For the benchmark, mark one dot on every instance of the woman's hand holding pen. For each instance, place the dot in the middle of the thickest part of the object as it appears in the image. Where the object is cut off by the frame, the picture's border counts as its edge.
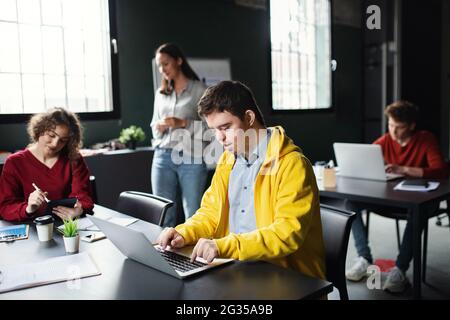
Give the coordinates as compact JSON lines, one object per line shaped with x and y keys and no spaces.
{"x":35,"y":200}
{"x":68,"y":213}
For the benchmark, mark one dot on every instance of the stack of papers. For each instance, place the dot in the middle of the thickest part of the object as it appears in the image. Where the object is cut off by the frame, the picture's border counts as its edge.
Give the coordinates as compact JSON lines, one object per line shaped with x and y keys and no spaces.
{"x":65,"y":268}
{"x":431,"y":186}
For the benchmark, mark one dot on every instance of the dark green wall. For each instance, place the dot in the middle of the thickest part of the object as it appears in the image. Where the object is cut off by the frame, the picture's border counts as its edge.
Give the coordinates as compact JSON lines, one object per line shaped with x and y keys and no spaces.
{"x":218,"y":29}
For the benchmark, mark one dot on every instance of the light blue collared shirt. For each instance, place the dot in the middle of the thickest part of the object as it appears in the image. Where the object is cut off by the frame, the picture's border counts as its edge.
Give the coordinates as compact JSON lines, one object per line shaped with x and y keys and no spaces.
{"x":183,"y":106}
{"x":241,"y":188}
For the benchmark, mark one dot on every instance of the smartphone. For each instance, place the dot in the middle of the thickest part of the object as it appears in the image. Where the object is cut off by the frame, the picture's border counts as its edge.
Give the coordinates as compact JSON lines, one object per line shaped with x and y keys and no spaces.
{"x":93,"y":237}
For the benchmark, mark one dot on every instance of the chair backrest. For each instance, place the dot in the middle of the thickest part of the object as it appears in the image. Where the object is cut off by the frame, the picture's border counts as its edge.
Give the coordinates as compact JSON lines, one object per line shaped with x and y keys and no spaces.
{"x":144,"y":206}
{"x":93,"y":184}
{"x":336,"y":226}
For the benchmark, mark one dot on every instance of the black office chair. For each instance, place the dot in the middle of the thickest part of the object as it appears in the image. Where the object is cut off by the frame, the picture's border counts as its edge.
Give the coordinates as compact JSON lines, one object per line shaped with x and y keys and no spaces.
{"x":442,"y":213}
{"x":336,"y":226}
{"x":144,"y":206}
{"x":93,"y":184}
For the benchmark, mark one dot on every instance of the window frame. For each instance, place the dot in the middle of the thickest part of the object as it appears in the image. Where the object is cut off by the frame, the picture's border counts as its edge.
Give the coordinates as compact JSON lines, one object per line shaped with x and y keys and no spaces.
{"x":14,"y":118}
{"x":331,"y":108}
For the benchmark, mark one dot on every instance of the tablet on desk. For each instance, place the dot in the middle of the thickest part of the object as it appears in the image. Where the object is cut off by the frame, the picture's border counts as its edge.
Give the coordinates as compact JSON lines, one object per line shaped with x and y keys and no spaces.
{"x":66,"y":202}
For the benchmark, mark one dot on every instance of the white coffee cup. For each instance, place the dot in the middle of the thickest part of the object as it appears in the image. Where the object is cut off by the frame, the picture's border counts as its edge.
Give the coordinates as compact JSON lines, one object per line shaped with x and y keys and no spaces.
{"x":44,"y":227}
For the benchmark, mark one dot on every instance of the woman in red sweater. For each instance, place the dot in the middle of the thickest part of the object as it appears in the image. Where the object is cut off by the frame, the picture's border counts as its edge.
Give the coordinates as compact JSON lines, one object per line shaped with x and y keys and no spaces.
{"x":409,"y":152}
{"x":51,"y":162}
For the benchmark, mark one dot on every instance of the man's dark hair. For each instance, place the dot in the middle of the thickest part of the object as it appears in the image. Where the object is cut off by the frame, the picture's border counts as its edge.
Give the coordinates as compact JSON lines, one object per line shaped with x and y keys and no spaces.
{"x":403,"y":111}
{"x":232,"y":96}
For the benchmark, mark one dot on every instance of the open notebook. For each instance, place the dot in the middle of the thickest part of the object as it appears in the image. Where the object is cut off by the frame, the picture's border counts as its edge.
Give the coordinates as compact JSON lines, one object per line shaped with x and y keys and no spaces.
{"x":64,"y":268}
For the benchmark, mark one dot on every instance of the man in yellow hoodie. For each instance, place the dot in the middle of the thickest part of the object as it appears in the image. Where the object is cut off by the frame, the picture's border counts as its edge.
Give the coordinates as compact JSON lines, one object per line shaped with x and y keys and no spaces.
{"x":263,"y":202}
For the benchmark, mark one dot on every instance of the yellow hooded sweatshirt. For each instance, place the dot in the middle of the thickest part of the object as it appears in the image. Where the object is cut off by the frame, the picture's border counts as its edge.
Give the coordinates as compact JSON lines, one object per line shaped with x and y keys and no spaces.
{"x":286,"y":201}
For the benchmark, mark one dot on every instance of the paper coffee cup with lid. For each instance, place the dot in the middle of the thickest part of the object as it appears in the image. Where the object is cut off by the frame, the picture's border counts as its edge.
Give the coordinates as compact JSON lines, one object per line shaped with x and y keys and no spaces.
{"x":44,"y":227}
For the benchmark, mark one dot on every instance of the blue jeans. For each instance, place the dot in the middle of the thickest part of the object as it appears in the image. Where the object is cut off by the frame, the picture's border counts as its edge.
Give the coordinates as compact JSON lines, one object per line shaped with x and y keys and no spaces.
{"x":361,"y":241}
{"x":167,"y":176}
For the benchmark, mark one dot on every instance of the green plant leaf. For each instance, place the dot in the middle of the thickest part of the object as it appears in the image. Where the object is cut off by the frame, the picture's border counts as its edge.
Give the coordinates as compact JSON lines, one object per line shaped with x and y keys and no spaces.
{"x":70,"y":228}
{"x":132,"y":133}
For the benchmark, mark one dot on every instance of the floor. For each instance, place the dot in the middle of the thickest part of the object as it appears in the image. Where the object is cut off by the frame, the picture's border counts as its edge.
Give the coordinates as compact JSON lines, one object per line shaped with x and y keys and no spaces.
{"x":382,"y":237}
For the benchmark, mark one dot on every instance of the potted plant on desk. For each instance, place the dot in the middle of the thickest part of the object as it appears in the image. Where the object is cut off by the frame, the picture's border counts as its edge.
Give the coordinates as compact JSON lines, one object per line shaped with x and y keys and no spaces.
{"x":131,"y":135}
{"x":71,"y":236}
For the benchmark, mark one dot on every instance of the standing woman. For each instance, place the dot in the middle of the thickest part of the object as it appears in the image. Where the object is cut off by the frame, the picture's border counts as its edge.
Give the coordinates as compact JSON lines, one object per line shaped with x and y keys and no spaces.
{"x":51,"y":162}
{"x":175,"y":108}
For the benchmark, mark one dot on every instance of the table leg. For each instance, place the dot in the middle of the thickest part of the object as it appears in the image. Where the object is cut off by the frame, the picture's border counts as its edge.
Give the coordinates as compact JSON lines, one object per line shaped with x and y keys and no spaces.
{"x":417,"y":251}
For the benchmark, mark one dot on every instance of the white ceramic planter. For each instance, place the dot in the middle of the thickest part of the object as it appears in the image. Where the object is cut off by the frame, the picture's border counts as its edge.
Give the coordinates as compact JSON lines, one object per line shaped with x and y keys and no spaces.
{"x":72,"y":244}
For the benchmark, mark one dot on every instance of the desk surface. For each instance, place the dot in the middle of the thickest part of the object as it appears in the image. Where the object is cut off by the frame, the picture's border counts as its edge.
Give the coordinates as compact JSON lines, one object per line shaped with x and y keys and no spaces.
{"x":123,"y":278}
{"x":380,"y":192}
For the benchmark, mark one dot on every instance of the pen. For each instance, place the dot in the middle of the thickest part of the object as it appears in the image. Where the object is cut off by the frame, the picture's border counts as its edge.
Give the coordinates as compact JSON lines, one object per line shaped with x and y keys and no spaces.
{"x":36,"y":187}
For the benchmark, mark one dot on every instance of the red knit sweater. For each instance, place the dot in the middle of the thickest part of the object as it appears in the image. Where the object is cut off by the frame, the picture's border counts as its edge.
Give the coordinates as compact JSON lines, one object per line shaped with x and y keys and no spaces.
{"x":63,"y":180}
{"x":421,"y":151}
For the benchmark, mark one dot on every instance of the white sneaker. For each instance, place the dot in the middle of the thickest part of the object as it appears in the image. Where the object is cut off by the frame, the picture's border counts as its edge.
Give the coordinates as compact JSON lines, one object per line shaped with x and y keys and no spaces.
{"x":359,"y":269}
{"x":396,"y":281}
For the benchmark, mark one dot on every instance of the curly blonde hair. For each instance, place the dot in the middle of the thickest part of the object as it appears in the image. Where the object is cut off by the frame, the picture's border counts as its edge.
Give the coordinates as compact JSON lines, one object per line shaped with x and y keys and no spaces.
{"x":42,"y":122}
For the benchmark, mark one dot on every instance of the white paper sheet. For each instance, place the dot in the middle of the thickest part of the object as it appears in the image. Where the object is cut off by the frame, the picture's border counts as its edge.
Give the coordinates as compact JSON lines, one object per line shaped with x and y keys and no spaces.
{"x":84,"y":224}
{"x":431,"y":186}
{"x":64,"y":268}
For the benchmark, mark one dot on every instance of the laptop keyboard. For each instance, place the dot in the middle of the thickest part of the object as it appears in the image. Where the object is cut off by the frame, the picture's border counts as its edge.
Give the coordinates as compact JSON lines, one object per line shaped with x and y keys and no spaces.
{"x":179,"y":262}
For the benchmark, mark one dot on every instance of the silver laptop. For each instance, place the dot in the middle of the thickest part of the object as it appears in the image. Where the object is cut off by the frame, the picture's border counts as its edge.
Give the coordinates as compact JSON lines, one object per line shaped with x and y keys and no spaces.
{"x":135,"y":245}
{"x":363,"y":161}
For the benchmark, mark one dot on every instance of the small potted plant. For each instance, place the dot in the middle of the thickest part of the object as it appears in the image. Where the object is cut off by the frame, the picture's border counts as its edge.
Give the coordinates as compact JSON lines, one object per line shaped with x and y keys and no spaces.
{"x":71,"y":236}
{"x":131,"y":135}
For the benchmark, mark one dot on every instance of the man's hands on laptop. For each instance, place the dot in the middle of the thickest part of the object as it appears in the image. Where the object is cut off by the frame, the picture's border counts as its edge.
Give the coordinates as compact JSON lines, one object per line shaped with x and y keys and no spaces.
{"x":205,"y":248}
{"x":170,"y":237}
{"x":393,"y":168}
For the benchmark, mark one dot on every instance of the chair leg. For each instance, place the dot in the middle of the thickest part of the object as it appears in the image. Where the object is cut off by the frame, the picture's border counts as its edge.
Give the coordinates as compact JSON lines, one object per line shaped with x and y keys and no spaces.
{"x":343,"y":294}
{"x":398,"y":234}
{"x":424,"y":253}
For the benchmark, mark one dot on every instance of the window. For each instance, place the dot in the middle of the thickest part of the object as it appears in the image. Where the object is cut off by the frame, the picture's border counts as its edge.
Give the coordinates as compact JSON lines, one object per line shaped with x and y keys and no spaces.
{"x":301,"y":54}
{"x":55,"y":53}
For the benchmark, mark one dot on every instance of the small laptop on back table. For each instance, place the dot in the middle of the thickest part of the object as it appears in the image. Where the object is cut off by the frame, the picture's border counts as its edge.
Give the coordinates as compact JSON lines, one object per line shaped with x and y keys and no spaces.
{"x":362,"y":161}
